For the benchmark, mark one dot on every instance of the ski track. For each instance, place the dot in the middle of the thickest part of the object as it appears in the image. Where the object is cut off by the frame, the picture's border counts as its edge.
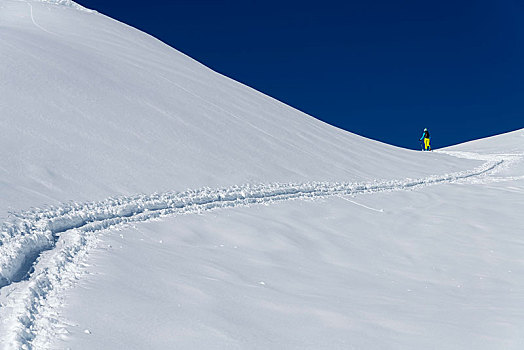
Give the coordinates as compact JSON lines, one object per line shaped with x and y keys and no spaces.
{"x":34,"y":22}
{"x":41,"y":251}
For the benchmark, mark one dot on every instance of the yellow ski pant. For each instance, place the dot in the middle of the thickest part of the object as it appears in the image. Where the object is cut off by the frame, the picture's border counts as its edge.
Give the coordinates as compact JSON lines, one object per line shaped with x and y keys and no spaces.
{"x":426,"y":143}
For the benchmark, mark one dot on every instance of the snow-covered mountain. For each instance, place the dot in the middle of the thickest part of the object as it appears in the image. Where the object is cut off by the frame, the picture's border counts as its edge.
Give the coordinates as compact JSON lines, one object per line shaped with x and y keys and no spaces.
{"x":93,"y":108}
{"x":308,"y":236}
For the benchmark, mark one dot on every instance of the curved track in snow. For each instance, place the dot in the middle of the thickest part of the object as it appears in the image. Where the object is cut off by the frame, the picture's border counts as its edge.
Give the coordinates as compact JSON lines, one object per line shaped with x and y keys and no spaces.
{"x":40,"y":250}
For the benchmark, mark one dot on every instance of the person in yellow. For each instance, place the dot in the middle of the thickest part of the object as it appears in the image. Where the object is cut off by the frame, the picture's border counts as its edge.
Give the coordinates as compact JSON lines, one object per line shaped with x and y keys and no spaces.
{"x":425,"y":137}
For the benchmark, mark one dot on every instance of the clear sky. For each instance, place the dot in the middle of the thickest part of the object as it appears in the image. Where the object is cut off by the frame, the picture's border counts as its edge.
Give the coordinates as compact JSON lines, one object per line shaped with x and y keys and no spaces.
{"x":384,"y":69}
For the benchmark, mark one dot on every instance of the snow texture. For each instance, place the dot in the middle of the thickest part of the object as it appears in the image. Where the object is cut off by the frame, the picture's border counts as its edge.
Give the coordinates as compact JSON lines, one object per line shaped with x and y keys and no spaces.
{"x":106,"y":130}
{"x":68,"y":3}
{"x":28,"y":235}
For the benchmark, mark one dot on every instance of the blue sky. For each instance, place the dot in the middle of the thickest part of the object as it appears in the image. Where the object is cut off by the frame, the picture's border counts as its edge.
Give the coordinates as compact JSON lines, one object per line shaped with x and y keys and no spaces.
{"x":381,"y":69}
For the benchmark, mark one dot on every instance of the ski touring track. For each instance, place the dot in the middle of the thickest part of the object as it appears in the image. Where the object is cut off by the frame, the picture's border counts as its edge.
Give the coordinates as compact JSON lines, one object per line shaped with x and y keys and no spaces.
{"x":42,"y":250}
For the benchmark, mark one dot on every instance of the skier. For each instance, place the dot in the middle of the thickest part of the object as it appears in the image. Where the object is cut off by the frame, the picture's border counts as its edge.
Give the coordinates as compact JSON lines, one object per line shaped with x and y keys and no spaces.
{"x":425,"y":137}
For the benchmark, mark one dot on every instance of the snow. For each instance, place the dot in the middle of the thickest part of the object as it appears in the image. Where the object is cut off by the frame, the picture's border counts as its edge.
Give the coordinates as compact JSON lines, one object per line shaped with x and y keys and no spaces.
{"x":97,"y":109}
{"x":73,"y":227}
{"x":66,"y":3}
{"x":149,"y":202}
{"x":435,"y":267}
{"x":426,"y":272}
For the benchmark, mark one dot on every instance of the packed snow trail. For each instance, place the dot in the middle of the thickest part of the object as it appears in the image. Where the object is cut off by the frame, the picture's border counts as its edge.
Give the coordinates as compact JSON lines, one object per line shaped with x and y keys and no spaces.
{"x":53,"y":241}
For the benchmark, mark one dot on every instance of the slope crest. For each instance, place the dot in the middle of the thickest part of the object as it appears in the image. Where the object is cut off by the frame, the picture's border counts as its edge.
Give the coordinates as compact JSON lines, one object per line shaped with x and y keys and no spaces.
{"x":68,"y":3}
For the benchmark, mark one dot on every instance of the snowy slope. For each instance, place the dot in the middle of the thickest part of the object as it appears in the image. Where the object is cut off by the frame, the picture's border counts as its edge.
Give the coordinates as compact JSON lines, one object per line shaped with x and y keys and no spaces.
{"x":92,"y":108}
{"x":438,"y":265}
{"x":435,"y":267}
{"x":158,"y":204}
{"x":511,"y":142}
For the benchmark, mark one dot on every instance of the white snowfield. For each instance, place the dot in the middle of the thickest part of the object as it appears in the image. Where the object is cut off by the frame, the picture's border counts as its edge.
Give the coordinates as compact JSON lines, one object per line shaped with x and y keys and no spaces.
{"x":27,"y":236}
{"x":62,"y":237}
{"x":151,"y":203}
